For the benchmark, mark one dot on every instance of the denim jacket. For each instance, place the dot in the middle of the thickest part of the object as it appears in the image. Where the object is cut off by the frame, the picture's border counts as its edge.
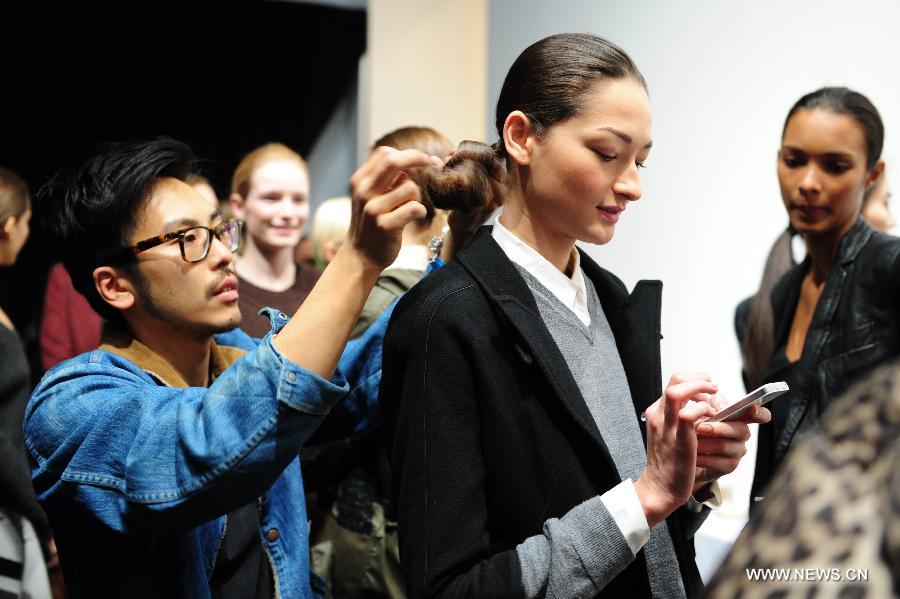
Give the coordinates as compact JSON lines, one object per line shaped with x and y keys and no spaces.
{"x":137,"y":474}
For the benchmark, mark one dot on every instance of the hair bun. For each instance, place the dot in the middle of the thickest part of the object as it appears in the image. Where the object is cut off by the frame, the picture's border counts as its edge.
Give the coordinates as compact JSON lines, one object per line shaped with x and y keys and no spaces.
{"x":469,"y":181}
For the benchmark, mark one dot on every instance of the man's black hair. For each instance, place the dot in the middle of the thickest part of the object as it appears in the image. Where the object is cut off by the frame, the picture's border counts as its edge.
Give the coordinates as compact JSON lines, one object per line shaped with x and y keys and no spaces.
{"x":90,"y":213}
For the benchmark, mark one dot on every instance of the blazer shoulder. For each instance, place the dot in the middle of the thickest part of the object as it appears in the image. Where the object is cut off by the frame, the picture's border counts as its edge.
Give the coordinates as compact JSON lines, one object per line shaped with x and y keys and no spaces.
{"x":434,"y":288}
{"x":449,"y":294}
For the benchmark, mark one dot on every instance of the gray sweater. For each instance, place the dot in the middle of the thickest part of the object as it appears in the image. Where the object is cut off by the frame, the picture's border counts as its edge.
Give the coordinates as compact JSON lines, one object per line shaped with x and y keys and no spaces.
{"x":578,"y":554}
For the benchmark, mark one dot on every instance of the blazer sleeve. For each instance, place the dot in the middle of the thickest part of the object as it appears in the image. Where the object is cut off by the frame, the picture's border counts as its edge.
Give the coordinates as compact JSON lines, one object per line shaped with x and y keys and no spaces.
{"x":432,"y":432}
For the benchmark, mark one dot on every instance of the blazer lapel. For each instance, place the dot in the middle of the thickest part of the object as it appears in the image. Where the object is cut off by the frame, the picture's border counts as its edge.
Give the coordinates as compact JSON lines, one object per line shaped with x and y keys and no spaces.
{"x":506,"y":290}
{"x":635,"y":322}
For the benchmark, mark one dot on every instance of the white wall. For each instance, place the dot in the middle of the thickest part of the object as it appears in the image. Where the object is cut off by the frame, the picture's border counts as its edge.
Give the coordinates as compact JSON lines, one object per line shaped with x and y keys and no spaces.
{"x":426,"y":66}
{"x":722,"y":76}
{"x":334,"y":157}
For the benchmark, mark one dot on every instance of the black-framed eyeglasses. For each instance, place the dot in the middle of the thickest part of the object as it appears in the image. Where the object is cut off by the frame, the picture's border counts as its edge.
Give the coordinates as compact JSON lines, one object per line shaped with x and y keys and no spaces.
{"x":196,"y":241}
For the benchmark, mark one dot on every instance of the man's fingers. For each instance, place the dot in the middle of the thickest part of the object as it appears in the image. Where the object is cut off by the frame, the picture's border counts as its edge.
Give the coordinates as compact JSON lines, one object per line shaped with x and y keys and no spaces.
{"x":383,"y":171}
{"x":401,"y":216}
{"x":390,"y":201}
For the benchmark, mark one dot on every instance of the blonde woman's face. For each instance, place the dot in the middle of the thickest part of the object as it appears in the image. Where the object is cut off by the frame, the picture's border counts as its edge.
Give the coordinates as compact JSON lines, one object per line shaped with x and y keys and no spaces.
{"x":277,"y":205}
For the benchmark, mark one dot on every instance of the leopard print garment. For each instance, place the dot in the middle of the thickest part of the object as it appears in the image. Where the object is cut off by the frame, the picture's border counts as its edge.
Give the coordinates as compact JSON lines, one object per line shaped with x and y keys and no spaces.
{"x":831,"y":516}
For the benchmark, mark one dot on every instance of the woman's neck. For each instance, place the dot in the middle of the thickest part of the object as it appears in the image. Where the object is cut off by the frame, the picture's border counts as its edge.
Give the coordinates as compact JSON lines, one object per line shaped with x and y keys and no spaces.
{"x":823,"y":251}
{"x":272,"y":270}
{"x":555,"y":248}
{"x":416,"y":233}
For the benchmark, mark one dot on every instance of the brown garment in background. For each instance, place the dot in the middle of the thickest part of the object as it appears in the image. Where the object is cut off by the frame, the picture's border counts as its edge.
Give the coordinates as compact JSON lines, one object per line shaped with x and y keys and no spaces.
{"x":251,"y":299}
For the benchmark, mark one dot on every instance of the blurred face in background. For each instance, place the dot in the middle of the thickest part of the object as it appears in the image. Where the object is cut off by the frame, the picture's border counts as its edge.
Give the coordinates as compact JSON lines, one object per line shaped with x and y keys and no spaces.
{"x":207,"y":192}
{"x":876,"y":206}
{"x":13,"y":236}
{"x":277,"y":205}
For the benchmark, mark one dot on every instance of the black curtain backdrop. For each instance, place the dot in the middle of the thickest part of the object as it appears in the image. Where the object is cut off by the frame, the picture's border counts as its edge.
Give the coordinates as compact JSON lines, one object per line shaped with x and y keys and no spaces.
{"x":224,"y":77}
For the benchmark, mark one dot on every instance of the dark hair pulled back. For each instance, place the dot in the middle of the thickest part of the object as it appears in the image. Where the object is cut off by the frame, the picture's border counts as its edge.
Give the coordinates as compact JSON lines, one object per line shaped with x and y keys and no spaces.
{"x":471,"y":178}
{"x":842,"y":100}
{"x":547,"y":83}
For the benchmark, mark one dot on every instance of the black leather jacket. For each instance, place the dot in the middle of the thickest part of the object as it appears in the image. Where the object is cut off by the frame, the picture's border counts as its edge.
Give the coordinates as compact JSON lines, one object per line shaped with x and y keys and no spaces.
{"x":855,"y":327}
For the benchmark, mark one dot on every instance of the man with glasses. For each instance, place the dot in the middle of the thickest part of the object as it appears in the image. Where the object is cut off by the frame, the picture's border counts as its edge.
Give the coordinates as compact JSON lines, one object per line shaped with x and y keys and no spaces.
{"x":167,"y":459}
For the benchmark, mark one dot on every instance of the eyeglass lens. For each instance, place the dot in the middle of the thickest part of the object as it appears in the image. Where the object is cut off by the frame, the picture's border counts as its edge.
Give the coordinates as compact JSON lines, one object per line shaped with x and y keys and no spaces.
{"x":196,"y":241}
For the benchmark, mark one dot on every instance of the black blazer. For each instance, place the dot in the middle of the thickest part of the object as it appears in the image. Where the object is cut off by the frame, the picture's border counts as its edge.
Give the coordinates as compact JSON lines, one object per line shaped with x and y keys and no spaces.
{"x":486,"y":430}
{"x":855,"y":327}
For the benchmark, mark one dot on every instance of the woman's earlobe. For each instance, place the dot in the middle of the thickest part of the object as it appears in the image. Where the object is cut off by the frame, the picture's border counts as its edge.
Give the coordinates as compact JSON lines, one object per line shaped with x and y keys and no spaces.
{"x":517,"y":134}
{"x":237,"y":205}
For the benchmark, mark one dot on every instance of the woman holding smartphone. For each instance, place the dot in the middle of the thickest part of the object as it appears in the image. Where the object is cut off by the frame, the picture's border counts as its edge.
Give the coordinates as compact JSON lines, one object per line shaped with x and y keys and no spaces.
{"x":836,"y":313}
{"x":514,"y":376}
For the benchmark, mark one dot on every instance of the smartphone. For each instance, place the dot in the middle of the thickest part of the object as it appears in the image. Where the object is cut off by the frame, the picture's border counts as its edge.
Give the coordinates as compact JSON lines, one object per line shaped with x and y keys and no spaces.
{"x":758,"y":397}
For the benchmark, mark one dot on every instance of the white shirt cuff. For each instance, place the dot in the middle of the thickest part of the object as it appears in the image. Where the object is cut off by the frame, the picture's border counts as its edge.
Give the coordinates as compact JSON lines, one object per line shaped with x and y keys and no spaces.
{"x":712,"y":503}
{"x":624,"y":505}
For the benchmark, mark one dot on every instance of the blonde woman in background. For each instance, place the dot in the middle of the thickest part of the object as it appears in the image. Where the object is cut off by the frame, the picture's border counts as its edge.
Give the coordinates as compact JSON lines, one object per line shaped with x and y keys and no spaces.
{"x":270,"y":192}
{"x":329,"y":229}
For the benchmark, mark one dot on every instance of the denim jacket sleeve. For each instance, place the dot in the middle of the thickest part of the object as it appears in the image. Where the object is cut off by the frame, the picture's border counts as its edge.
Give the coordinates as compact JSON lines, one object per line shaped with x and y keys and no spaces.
{"x":361,"y":364}
{"x":105,"y":438}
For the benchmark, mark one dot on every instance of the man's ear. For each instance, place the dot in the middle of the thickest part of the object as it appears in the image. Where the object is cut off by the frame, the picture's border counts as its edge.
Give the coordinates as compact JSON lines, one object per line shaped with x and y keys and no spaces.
{"x":518,"y":137}
{"x":237,"y":205}
{"x":114,"y":287}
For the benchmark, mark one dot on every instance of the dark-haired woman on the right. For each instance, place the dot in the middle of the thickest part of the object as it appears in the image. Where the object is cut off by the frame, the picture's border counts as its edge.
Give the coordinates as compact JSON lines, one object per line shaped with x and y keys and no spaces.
{"x":837,"y":314}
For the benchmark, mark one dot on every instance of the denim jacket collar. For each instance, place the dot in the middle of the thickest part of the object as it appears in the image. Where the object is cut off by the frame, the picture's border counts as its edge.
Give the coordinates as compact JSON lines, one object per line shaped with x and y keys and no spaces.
{"x":119,"y":342}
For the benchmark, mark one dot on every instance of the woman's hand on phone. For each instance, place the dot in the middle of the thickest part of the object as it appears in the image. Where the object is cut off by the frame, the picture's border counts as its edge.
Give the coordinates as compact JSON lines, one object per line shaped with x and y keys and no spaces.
{"x":668,"y":480}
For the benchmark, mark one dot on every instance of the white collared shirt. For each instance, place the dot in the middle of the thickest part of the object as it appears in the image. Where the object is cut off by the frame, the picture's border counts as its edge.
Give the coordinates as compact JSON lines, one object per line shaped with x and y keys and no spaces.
{"x":412,"y":257}
{"x":571,"y":291}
